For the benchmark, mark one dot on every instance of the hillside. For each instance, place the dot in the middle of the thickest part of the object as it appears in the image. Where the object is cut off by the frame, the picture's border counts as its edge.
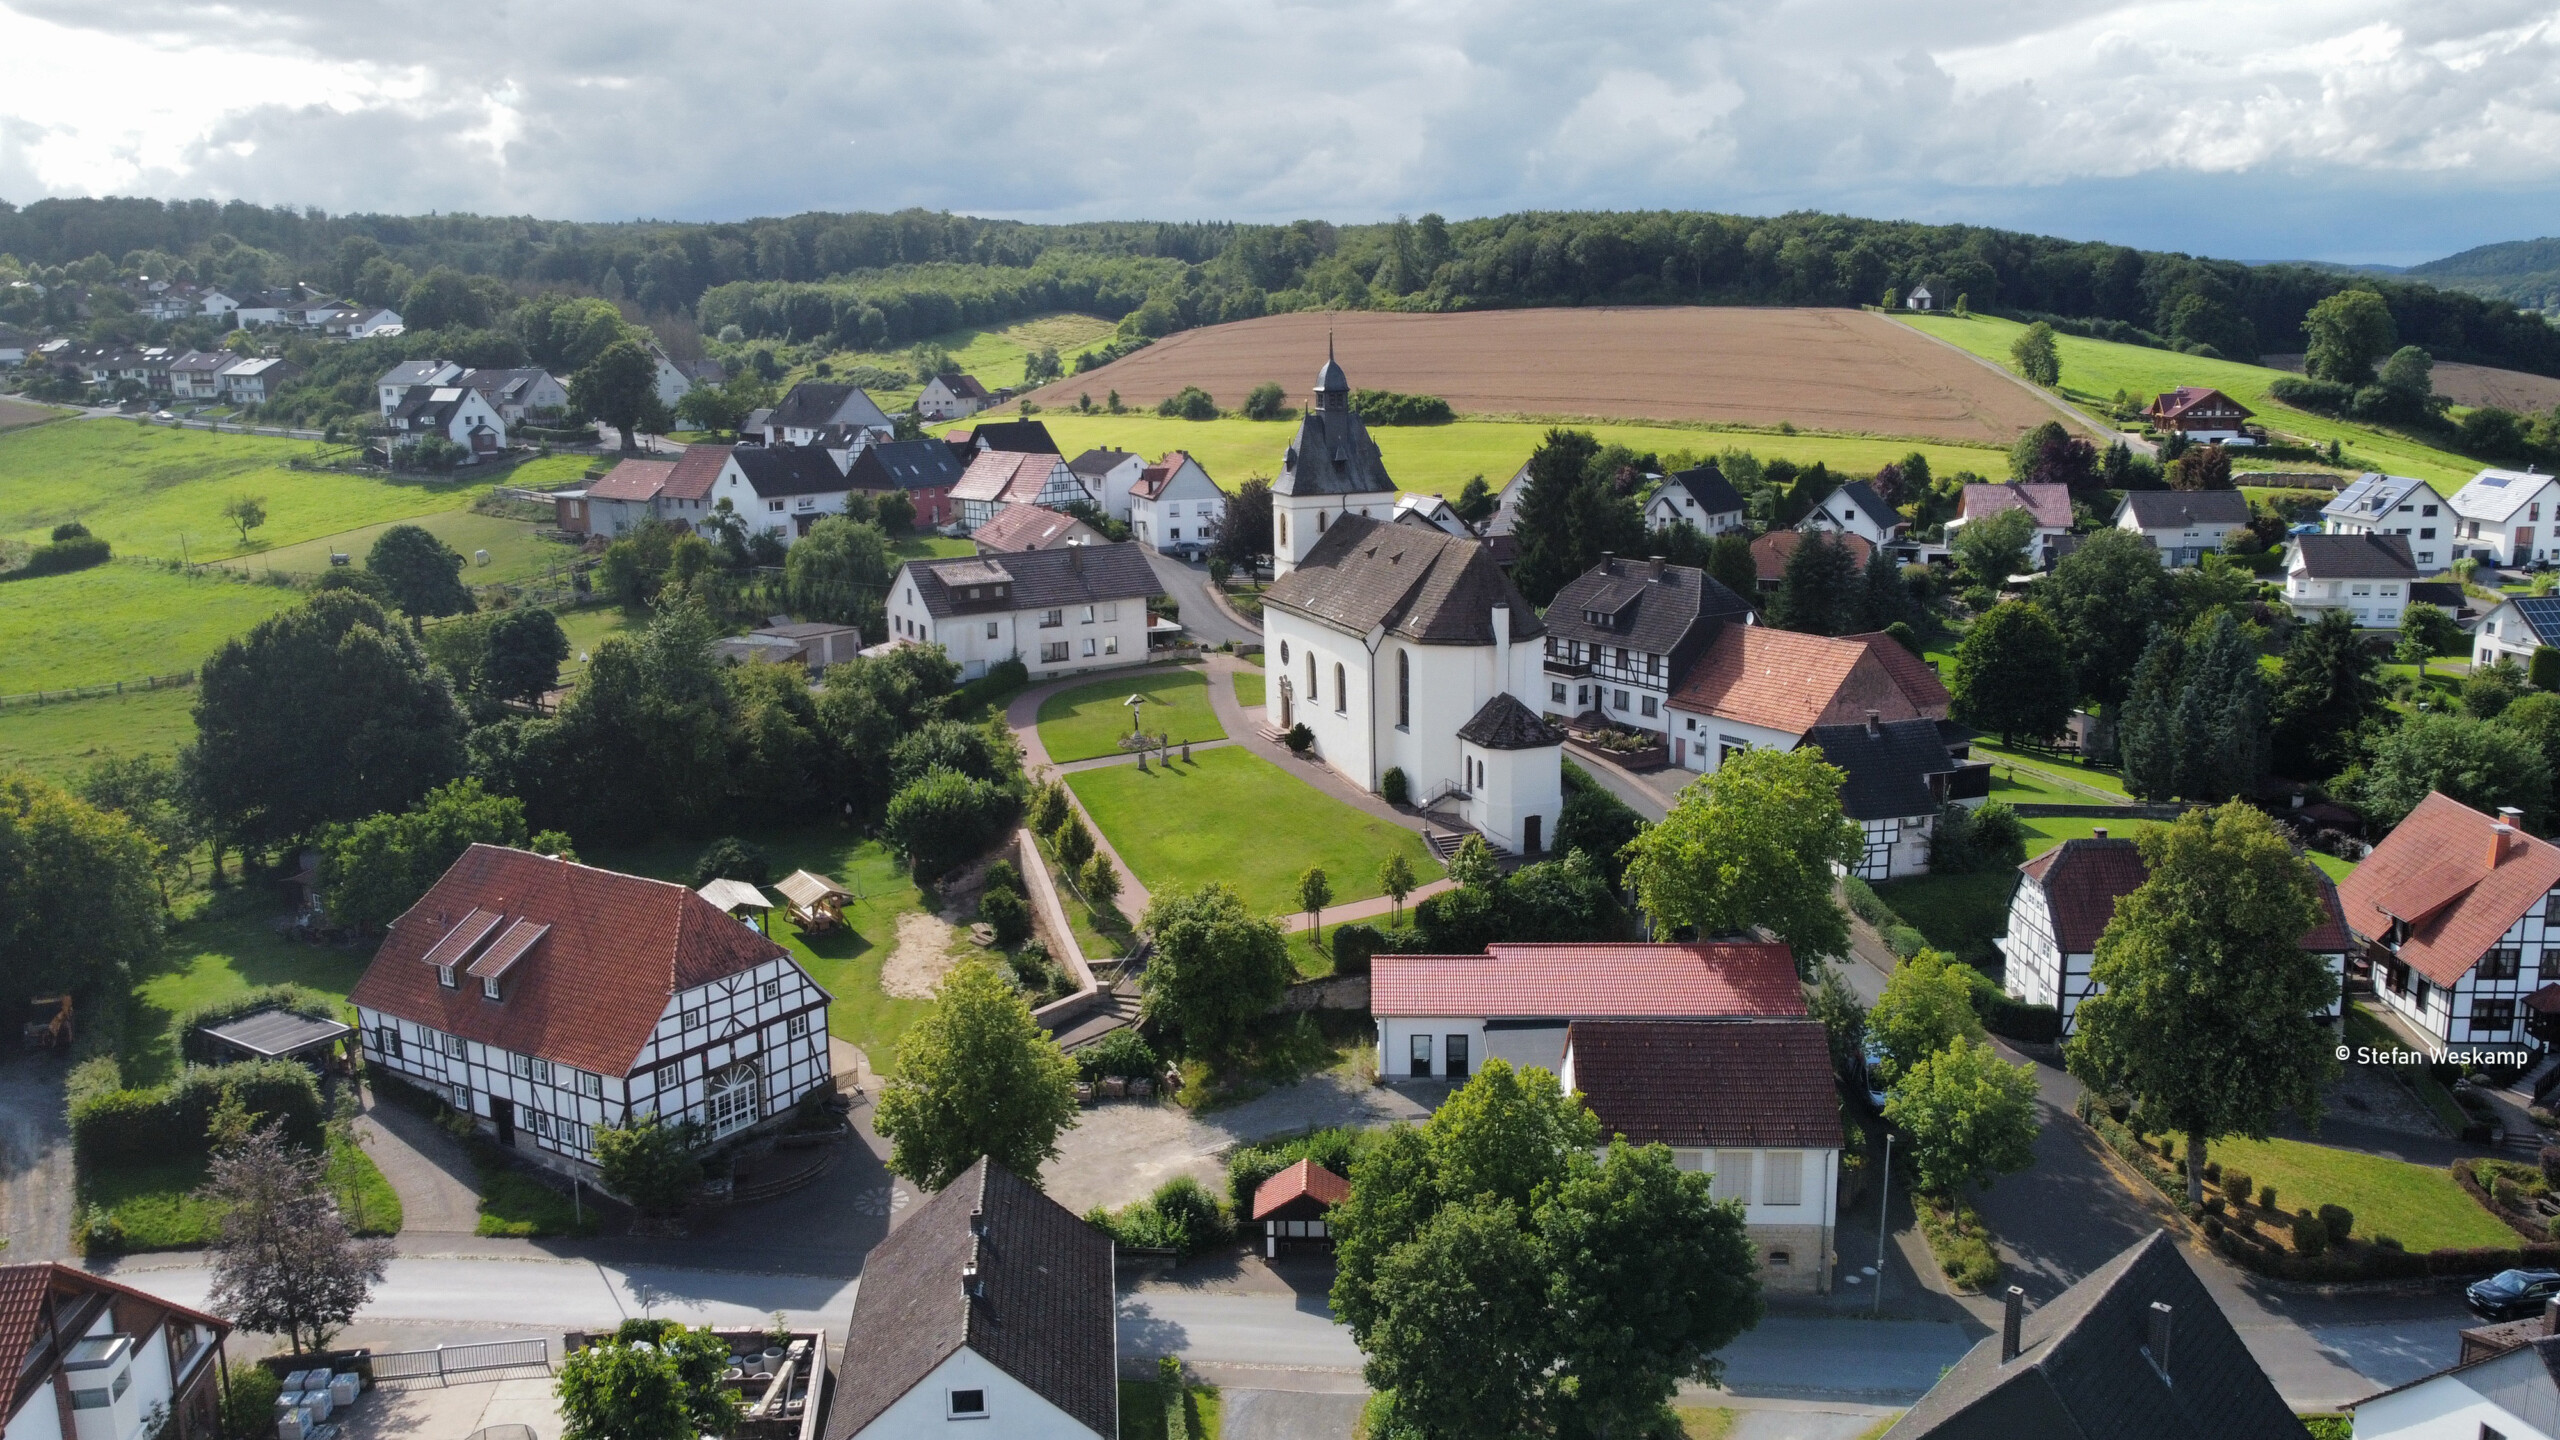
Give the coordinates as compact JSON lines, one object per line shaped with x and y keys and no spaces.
{"x":2524,"y":273}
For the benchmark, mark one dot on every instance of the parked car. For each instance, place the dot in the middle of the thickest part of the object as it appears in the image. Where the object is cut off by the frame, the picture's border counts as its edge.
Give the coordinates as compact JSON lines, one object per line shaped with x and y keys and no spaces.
{"x":2512,"y":1294}
{"x":1190,"y":552}
{"x":1872,"y":1070}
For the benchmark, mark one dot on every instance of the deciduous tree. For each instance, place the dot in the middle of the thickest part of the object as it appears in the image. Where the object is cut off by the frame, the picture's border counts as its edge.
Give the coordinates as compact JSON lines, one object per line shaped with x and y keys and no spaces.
{"x":2036,"y":355}
{"x":284,"y":1261}
{"x":620,"y":388}
{"x":2481,"y":763}
{"x":840,"y":572}
{"x":424,"y":573}
{"x":976,"y":1076}
{"x":2013,"y":674}
{"x":1968,"y":1114}
{"x":1216,"y":966}
{"x":78,"y":907}
{"x":2105,"y":597}
{"x":1395,"y":876}
{"x":2347,"y":333}
{"x":653,"y":1380}
{"x":1751,"y":843}
{"x":1315,"y":891}
{"x":373,"y":869}
{"x":1926,"y":1006}
{"x":247,"y":512}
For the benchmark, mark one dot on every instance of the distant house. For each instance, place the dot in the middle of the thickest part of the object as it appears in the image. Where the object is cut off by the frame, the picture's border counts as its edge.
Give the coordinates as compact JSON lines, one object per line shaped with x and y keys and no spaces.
{"x":2184,"y":526}
{"x":2516,"y":628}
{"x":2508,"y":1388}
{"x":2367,"y":576}
{"x":1109,"y":474}
{"x":992,"y":1303}
{"x":1175,"y":506}
{"x":2204,"y":416}
{"x":1855,"y":509}
{"x":1755,"y":688}
{"x":2508,"y":517}
{"x":1293,"y":1204}
{"x":1752,"y":1103}
{"x":814,"y":406}
{"x":197,"y":375}
{"x":1027,"y":437}
{"x":1499,"y":541}
{"x":14,"y":345}
{"x":637,"y":491}
{"x":1770,"y":553}
{"x":366,"y":321}
{"x":1060,"y":612}
{"x":998,"y":478}
{"x":1901,"y":775}
{"x":1919,"y":299}
{"x":2137,"y":1349}
{"x":544,"y":998}
{"x":1701,"y":499}
{"x":2454,"y":908}
{"x":674,"y":381}
{"x":514,"y":394}
{"x":257,"y":381}
{"x":780,"y":490}
{"x":1621,"y":633}
{"x":92,"y":1358}
{"x":396,"y":382}
{"x":1029,"y":527}
{"x":2064,"y":899}
{"x":951,"y":397}
{"x":1432,"y":510}
{"x":925,"y":469}
{"x":456,"y":412}
{"x":2399,"y":505}
{"x":2049,"y":505}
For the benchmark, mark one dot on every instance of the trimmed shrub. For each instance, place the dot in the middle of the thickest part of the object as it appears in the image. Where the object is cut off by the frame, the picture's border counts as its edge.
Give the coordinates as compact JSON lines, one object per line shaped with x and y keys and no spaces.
{"x":1866,"y":904}
{"x":135,"y":1127}
{"x":2213,"y":1226}
{"x":1181,"y":1216}
{"x":2340,"y":1222}
{"x":2236,"y":1184}
{"x":2213,"y":1205}
{"x":2310,"y":1237}
{"x":1394,"y":788}
{"x":1123,"y":1052}
{"x":2213,"y":1172}
{"x":730,"y":858}
{"x":1904,"y":941}
{"x":1387,"y":407}
{"x":2550,"y":1159}
{"x":1010,"y":916}
{"x":1353,"y":944}
{"x":1300,"y":739}
{"x":64,"y":556}
{"x":2266,"y":1197}
{"x":1005,"y":875}
{"x":2544,"y":669}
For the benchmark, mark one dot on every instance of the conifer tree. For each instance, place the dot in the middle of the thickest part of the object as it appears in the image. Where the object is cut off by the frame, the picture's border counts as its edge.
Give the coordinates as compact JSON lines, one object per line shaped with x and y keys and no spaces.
{"x":2220,"y":723}
{"x":2146,"y":737}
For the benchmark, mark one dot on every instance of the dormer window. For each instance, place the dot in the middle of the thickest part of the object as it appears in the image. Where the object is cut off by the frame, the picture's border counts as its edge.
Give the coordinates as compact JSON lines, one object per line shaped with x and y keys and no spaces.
{"x":444,"y":976}
{"x":488,"y":987}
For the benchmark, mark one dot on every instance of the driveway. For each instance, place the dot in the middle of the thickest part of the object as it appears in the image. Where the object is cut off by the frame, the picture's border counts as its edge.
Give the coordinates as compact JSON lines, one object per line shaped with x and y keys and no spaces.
{"x":1201,"y":615}
{"x":1121,"y":1151}
{"x":35,"y":1159}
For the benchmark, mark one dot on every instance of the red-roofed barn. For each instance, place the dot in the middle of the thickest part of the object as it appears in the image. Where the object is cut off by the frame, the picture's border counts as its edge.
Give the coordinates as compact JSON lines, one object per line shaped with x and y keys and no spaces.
{"x":1293,"y":1204}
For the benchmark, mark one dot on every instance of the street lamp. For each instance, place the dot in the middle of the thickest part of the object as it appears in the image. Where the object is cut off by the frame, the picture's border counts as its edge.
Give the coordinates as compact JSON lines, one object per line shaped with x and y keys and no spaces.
{"x":1884,"y":1192}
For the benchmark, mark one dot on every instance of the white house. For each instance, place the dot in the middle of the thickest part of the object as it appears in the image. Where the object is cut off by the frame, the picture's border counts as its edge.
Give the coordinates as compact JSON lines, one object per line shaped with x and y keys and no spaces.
{"x":2456,"y":904}
{"x":1900,"y":776}
{"x":545,"y":998}
{"x":518,"y":393}
{"x":92,"y":1359}
{"x":780,"y":490}
{"x":456,"y":412}
{"x":1919,"y":299}
{"x":2184,"y":526}
{"x":256,"y":381}
{"x":1060,"y":612}
{"x":2063,"y":901}
{"x":2377,"y":504}
{"x":1855,"y":509}
{"x":1750,"y":1102}
{"x":997,"y":478}
{"x":197,"y":375}
{"x":988,"y":1311}
{"x":639,"y":490}
{"x":1620,"y":633}
{"x":408,"y":375}
{"x":816,"y":406}
{"x":2049,"y":505}
{"x":2515,"y":629}
{"x":1432,"y":510}
{"x":2508,"y":1394}
{"x":673,"y":382}
{"x":2368,"y":576}
{"x":1701,"y":499}
{"x":1109,"y":474}
{"x":1175,"y":506}
{"x":952,"y":397}
{"x":1331,"y":470}
{"x":2507,"y":517}
{"x":1756,"y":688}
{"x":366,"y":321}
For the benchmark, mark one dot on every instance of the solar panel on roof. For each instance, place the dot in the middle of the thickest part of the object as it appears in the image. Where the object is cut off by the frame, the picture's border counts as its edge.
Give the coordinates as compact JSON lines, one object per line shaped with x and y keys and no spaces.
{"x":2542,"y":612}
{"x":463,"y":938}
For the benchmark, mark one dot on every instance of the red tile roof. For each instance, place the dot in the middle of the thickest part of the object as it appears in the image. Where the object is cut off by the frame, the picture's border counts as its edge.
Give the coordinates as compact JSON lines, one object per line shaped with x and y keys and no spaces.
{"x":1027,"y":527}
{"x":1915,"y":677}
{"x":1013,"y":476}
{"x":1769,"y":553}
{"x":2434,"y":871}
{"x":24,"y":1291}
{"x":1304,"y":1180}
{"x":1691,"y":1082}
{"x":1597,"y":981}
{"x":590,"y":991}
{"x":2170,"y":404}
{"x":1780,"y":680}
{"x":2050,"y":504}
{"x":1152,"y":480}
{"x":696,"y":471}
{"x":2083,"y":879}
{"x":632,"y":480}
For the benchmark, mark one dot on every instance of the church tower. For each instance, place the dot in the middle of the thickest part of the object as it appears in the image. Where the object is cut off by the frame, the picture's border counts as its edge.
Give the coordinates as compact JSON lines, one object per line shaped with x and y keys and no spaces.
{"x":1332,"y":469}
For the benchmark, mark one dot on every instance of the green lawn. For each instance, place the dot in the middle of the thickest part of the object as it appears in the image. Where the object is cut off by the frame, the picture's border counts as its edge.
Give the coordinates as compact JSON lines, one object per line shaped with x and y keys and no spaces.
{"x":211,"y":959}
{"x":1957,"y":913}
{"x":2093,"y":370}
{"x":1230,"y":815}
{"x":1089,"y":720}
{"x":159,"y":492}
{"x":2070,"y":767}
{"x":513,"y":1203}
{"x":159,"y":1209}
{"x":516,"y":555}
{"x":121,"y":622}
{"x":1249,"y":692}
{"x":1439,"y":459}
{"x":61,"y":740}
{"x":2421,"y":1206}
{"x":932,"y":547}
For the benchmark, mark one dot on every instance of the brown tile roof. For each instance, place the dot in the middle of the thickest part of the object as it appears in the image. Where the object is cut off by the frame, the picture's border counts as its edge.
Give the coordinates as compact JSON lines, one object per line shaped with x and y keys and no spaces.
{"x":1780,"y":680}
{"x":1009,"y":475}
{"x":2050,"y":504}
{"x":591,"y":990}
{"x":1305,"y":1180}
{"x":25,"y":1292}
{"x":696,"y":470}
{"x":1152,"y":480}
{"x":2083,"y":879}
{"x":1914,"y":676}
{"x":2170,"y":404}
{"x":1029,"y":527}
{"x":632,"y":480}
{"x":1707,"y":1082}
{"x":1769,"y":553}
{"x":1510,"y":980}
{"x":1418,"y":581}
{"x":2434,"y":872}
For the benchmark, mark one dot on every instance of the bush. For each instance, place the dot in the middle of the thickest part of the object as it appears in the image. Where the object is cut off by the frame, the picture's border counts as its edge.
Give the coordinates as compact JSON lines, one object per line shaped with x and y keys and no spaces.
{"x":1124,"y":1053}
{"x":1189,"y":403}
{"x":1991,"y":837}
{"x":1300,"y":739}
{"x":1005,"y":875}
{"x":1181,"y":1216}
{"x":1960,"y":1245}
{"x":1247,"y":1168}
{"x":944,"y":819}
{"x":1387,"y":407}
{"x":1394,"y":788}
{"x":2310,"y":1237}
{"x":249,"y":1403}
{"x":1353,"y":944}
{"x":1866,"y":904}
{"x":2213,"y":1172}
{"x":1266,"y":402}
{"x":1905,"y":941}
{"x":2236,"y":1184}
{"x":64,"y":556}
{"x":69,"y":530}
{"x":2340,"y":1221}
{"x":1008,"y":913}
{"x":2327,"y":397}
{"x":2214,"y":1205}
{"x":2212,"y":1222}
{"x":730,"y":858}
{"x":167,"y":1122}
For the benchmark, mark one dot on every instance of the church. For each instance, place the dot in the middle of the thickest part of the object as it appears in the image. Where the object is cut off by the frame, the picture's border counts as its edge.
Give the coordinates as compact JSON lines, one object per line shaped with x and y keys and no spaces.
{"x":1400,"y":646}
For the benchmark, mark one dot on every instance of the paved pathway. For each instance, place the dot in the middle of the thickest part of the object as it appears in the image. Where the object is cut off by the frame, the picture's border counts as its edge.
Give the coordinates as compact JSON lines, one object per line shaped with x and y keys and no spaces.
{"x":2099,"y":428}
{"x":1121,"y":1151}
{"x":428,"y":1169}
{"x":35,"y":1159}
{"x":1202,"y":614}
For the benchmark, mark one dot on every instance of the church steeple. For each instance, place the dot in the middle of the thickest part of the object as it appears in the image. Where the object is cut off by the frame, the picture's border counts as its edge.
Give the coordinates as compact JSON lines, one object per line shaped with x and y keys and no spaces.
{"x":1333,"y":388}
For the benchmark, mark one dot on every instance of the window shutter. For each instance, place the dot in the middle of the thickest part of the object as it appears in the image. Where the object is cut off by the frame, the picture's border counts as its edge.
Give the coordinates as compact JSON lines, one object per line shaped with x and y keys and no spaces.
{"x":1733,"y":1175}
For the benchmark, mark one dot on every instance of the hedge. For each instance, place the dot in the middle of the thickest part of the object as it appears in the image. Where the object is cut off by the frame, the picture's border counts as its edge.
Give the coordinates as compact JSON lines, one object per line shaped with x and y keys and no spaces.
{"x":292,"y":998}
{"x":168,"y":1122}
{"x":64,"y":556}
{"x":1249,"y":1166}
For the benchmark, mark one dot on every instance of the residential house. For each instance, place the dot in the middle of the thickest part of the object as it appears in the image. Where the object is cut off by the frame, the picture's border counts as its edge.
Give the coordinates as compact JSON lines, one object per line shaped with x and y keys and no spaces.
{"x":14,"y":345}
{"x":1855,"y":509}
{"x":1442,"y":1016}
{"x":2368,"y":576}
{"x":1175,"y":506}
{"x":1403,"y":648}
{"x":991,"y":1303}
{"x":780,"y":490}
{"x":396,"y":382}
{"x":674,"y":381}
{"x":456,"y":412}
{"x":197,"y":374}
{"x":2505,"y":1385}
{"x":2204,"y":416}
{"x":2377,"y":504}
{"x":1919,"y":299}
{"x":952,"y":397}
{"x":2047,"y":504}
{"x":2064,"y":899}
{"x":817,"y":643}
{"x":1701,"y":499}
{"x":2452,"y":908}
{"x":2183,"y":525}
{"x":111,"y":366}
{"x":2136,"y":1349}
{"x":925,"y":469}
{"x":998,"y":478}
{"x":544,"y":998}
{"x":1752,"y":1103}
{"x":1621,"y":633}
{"x":814,"y":406}
{"x":1060,"y":612}
{"x":1027,"y":437}
{"x":363,"y":322}
{"x":638,"y":491}
{"x":1109,"y":474}
{"x":1432,"y":510}
{"x":1771,"y":552}
{"x":1758,"y":688}
{"x":2507,"y":517}
{"x":92,"y":1358}
{"x":1029,"y":527}
{"x":1293,"y":1204}
{"x":1331,"y":470}
{"x":257,"y":380}
{"x":1900,"y":777}
{"x":2518,"y":626}
{"x":515,"y":394}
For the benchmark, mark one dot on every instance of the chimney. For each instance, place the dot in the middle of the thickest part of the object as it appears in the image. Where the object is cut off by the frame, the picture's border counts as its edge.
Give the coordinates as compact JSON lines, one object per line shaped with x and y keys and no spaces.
{"x":2159,"y":1346}
{"x":1655,"y":562}
{"x":2012,"y":1315}
{"x":2098,"y":832}
{"x":977,"y":1219}
{"x":1608,"y":562}
{"x":970,"y":1284}
{"x":2499,"y":832}
{"x":1875,"y":724}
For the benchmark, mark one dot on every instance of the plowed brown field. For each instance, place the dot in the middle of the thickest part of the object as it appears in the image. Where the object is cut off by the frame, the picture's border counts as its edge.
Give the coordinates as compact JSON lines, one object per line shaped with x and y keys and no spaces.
{"x":1842,"y":370}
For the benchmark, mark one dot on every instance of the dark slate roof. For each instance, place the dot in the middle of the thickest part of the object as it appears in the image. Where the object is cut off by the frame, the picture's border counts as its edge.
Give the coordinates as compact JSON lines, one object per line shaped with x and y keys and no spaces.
{"x":1028,"y":437}
{"x":2178,"y":509}
{"x":1643,"y":607}
{"x":279,"y":1032}
{"x":1888,"y":770}
{"x":2357,"y":557}
{"x":789,"y":470}
{"x":1505,"y":724}
{"x":1708,"y":1082}
{"x":816,"y":403}
{"x":963,"y":387}
{"x":1044,"y":1314}
{"x":1868,"y":502}
{"x":2375,"y":494}
{"x":1706,"y":485}
{"x":1100,"y":461}
{"x":1333,"y":454}
{"x":1037,"y":579}
{"x":905,"y":465}
{"x":1421,"y":583}
{"x":2082,"y":1369}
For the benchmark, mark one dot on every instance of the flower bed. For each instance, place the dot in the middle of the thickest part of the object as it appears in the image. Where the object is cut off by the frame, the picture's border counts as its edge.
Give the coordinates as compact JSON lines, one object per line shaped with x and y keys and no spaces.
{"x":1960,"y":1243}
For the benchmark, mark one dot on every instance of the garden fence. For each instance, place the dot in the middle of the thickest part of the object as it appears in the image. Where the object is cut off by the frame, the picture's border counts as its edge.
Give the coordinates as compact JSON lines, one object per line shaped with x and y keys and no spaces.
{"x":91,"y":692}
{"x":460,"y":1359}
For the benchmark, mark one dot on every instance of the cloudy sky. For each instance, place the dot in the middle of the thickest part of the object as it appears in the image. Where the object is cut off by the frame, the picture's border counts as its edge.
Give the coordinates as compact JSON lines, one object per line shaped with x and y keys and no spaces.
{"x":2335,"y":129}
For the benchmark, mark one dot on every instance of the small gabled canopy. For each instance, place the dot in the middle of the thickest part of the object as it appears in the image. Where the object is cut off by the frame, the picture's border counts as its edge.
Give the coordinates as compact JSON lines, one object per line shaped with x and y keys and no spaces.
{"x":805,"y":888}
{"x":732,"y":896}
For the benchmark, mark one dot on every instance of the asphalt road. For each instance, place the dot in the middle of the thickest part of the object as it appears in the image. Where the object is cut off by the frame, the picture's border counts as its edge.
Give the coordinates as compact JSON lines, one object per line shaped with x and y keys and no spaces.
{"x":1202,"y":616}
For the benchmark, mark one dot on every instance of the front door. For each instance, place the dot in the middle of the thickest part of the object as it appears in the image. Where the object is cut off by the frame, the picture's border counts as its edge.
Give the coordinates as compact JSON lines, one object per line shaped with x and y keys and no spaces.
{"x":1421,"y":1057}
{"x":1456,"y":1068}
{"x":2524,"y":545}
{"x":1529,"y":838}
{"x":503,"y":1111}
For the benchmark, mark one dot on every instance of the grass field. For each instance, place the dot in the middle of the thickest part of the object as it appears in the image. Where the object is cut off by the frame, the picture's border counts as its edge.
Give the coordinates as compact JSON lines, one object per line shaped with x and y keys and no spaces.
{"x":516,"y":554}
{"x":1439,"y":459}
{"x":61,"y":740}
{"x":1088,"y":721}
{"x":214,"y":959}
{"x":159,"y":492}
{"x":2421,"y":1206}
{"x":1249,"y":694}
{"x":121,"y":622}
{"x":159,"y":1209}
{"x":995,"y":357}
{"x":2093,"y":370}
{"x":1230,"y":815}
{"x":932,"y":547}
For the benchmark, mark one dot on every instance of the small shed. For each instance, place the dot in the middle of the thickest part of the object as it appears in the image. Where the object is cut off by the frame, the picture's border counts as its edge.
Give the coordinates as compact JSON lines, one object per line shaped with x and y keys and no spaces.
{"x":817,"y":902}
{"x":1293,"y":1204}
{"x":277,"y":1035}
{"x":738,"y":898}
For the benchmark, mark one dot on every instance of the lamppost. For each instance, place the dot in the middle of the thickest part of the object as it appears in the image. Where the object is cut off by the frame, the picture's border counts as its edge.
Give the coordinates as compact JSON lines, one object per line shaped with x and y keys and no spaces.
{"x":1884,"y":1192}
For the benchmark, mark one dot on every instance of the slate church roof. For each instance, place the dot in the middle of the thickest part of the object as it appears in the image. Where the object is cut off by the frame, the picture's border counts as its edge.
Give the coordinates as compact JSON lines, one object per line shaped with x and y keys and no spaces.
{"x":1423,"y":584}
{"x":1333,"y":454}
